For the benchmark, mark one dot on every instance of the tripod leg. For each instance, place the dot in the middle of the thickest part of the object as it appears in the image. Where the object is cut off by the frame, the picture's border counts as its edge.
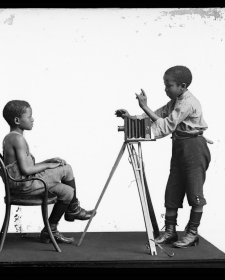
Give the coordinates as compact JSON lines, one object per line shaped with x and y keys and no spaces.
{"x":104,"y":189}
{"x":150,"y":205}
{"x":139,"y":179}
{"x":150,"y":229}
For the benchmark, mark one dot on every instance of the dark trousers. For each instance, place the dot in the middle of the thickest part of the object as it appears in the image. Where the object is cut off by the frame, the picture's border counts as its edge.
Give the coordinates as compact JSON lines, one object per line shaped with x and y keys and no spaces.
{"x":189,"y":162}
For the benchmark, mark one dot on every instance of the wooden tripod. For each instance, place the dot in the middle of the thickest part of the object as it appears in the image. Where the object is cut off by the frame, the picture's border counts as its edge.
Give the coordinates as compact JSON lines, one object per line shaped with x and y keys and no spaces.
{"x":136,"y":160}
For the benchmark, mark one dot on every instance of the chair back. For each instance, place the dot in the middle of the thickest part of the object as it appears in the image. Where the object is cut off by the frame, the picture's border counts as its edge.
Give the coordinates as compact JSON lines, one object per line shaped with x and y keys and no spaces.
{"x":3,"y":174}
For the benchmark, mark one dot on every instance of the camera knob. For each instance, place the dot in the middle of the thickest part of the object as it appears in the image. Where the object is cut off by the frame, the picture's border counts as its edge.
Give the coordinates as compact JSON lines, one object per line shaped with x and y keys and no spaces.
{"x":120,"y":128}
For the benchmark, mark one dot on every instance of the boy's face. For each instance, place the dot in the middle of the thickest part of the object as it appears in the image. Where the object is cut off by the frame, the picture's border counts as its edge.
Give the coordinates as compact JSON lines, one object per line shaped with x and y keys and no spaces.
{"x":172,"y":89}
{"x":25,"y":122}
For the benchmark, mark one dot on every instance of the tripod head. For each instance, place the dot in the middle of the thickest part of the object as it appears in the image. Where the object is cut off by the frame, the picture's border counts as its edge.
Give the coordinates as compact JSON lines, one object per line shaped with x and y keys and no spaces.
{"x":135,"y":129}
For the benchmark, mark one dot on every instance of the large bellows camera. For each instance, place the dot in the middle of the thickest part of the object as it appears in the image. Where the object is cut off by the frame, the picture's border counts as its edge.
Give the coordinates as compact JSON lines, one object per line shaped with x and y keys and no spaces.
{"x":136,"y":129}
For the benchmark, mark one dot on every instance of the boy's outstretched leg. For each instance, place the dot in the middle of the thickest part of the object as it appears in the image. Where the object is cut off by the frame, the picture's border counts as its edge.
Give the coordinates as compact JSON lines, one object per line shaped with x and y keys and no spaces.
{"x":74,"y":211}
{"x":190,"y":237}
{"x":170,"y":234}
{"x":58,"y":210}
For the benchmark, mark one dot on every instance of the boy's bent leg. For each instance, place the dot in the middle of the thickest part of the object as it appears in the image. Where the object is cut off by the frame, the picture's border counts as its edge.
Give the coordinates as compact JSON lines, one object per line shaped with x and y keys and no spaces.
{"x":64,"y":194}
{"x":74,"y":210}
{"x":65,"y":175}
{"x":56,"y":214}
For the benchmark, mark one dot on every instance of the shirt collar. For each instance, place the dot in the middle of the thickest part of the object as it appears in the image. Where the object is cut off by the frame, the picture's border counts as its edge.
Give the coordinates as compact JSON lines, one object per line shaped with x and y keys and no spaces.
{"x":184,"y":95}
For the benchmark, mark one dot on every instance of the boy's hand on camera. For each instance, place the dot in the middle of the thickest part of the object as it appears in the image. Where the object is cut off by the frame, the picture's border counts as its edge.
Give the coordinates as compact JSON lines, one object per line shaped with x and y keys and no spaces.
{"x":122,"y":113}
{"x":142,"y":98}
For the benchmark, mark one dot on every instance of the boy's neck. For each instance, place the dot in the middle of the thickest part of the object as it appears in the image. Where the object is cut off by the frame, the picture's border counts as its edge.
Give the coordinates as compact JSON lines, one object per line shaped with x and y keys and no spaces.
{"x":16,"y":130}
{"x":182,"y":93}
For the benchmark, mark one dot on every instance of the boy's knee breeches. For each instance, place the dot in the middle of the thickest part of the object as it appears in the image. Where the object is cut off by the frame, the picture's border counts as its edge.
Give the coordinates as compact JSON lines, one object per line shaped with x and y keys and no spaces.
{"x":67,"y":172}
{"x":191,"y":185}
{"x":63,"y":192}
{"x":54,"y":179}
{"x":56,"y":175}
{"x":190,"y":160}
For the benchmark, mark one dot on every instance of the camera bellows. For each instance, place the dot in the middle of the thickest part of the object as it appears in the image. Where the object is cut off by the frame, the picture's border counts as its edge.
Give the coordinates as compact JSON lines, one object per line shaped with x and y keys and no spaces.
{"x":135,"y":128}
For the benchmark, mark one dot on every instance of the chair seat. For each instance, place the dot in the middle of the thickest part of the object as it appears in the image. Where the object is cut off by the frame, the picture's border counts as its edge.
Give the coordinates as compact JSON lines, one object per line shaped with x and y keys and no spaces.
{"x":29,"y":200}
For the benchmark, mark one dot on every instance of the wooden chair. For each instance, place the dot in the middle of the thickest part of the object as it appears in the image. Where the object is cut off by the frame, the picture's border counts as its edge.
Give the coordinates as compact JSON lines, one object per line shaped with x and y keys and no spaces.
{"x":25,"y":200}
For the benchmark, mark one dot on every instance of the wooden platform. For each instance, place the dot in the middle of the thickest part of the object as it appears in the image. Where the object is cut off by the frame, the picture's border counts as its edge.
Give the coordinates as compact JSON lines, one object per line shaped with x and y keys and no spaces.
{"x":105,"y":250}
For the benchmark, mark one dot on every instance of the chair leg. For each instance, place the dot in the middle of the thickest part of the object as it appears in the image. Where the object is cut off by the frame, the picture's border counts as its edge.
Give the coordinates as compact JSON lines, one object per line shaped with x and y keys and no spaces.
{"x":5,"y":226}
{"x":44,"y":209}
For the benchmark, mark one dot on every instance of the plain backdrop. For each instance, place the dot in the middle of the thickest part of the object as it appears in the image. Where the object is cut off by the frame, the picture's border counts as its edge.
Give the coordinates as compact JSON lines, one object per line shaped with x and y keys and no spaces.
{"x":76,"y":67}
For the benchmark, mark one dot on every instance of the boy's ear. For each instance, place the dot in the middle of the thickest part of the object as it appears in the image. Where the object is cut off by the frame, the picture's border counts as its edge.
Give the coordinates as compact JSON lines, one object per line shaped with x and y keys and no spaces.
{"x":16,"y":120}
{"x":184,"y":85}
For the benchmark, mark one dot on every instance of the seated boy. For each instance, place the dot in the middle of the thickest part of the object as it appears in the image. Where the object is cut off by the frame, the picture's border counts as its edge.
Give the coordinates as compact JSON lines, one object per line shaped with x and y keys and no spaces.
{"x":57,"y":174}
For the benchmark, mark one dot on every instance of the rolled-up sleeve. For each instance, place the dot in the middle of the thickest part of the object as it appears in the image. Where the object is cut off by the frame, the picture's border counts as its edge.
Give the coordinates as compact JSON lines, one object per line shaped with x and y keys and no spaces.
{"x":163,"y":111}
{"x":164,"y":126}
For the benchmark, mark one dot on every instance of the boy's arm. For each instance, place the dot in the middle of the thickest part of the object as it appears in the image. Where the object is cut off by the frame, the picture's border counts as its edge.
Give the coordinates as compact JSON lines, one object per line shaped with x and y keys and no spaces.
{"x":163,"y":126}
{"x":27,"y":167}
{"x":123,"y":113}
{"x":142,"y":99}
{"x":152,"y":115}
{"x":55,"y":160}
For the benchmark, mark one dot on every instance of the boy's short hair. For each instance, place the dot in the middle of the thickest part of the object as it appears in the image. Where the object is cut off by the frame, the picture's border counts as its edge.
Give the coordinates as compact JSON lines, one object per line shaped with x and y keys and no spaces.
{"x":181,"y":74}
{"x":13,"y":109}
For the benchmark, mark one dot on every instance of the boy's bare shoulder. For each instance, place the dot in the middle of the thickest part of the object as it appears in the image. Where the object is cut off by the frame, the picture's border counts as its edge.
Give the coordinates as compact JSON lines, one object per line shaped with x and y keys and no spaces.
{"x":14,"y":139}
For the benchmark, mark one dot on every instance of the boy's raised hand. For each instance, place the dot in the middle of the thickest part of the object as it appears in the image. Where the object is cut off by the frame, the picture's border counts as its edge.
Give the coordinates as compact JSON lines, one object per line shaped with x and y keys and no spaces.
{"x":122,"y":113}
{"x":142,"y":98}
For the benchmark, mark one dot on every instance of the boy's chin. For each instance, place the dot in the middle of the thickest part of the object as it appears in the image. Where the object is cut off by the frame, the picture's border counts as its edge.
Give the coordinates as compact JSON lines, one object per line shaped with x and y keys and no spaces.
{"x":173,"y":97}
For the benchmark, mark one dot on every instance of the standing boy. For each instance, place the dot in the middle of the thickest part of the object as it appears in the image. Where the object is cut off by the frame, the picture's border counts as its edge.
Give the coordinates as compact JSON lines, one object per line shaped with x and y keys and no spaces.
{"x":56,"y":172}
{"x":182,"y":116}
